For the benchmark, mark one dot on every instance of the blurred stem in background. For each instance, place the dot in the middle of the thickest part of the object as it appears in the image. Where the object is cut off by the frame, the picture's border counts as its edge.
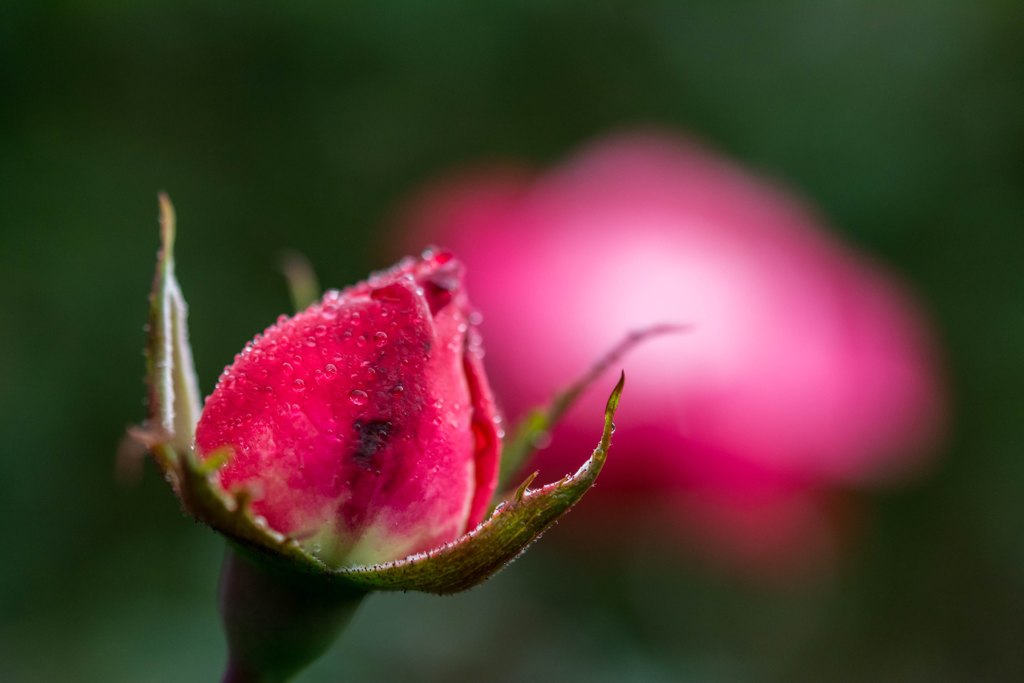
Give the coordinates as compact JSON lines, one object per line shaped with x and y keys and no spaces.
{"x":300,"y":277}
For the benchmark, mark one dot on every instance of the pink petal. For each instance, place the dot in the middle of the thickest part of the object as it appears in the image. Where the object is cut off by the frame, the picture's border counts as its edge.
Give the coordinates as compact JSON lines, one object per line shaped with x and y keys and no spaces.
{"x":356,"y":423}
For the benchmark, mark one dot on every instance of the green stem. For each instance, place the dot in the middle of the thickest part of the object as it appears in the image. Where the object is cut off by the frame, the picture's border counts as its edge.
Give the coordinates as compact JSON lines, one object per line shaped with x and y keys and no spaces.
{"x":278,"y":621}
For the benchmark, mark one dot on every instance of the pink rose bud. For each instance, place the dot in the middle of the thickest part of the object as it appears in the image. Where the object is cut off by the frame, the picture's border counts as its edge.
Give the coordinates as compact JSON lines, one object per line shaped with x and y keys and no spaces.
{"x":363,"y":426}
{"x":806,"y":366}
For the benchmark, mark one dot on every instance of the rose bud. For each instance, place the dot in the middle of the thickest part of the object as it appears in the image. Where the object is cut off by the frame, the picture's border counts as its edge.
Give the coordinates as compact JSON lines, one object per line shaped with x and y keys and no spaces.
{"x":363,"y":426}
{"x":351,"y":447}
{"x":806,"y":368}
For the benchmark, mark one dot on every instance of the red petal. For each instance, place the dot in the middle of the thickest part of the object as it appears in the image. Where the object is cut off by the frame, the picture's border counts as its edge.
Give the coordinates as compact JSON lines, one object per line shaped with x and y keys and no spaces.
{"x":363,"y":420}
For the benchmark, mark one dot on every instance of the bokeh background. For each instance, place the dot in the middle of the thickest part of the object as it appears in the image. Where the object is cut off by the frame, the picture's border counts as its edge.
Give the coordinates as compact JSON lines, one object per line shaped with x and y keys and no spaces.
{"x":307,"y":125}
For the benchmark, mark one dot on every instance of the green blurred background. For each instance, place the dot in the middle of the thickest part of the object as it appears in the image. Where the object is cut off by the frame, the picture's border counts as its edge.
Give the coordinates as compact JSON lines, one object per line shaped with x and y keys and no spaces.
{"x":304,"y":126}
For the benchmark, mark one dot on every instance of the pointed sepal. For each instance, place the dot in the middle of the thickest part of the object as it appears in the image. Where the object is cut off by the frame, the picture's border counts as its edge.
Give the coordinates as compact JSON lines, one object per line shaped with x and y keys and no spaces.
{"x":535,"y":428}
{"x":174,"y":406}
{"x":501,"y":538}
{"x":173,"y":400}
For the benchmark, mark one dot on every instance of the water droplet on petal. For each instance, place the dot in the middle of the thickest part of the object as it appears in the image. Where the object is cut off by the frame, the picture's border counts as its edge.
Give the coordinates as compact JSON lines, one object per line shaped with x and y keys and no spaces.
{"x":358,"y":397}
{"x":299,"y":386}
{"x":380,"y":339}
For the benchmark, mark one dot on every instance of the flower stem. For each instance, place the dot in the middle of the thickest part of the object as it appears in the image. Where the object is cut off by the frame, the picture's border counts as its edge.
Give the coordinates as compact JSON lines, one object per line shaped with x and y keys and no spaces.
{"x":278,"y":621}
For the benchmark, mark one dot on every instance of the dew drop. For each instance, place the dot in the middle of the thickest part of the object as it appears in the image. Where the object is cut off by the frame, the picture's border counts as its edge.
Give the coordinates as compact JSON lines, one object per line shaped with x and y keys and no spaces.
{"x":298,"y":386}
{"x":330,"y":369}
{"x":311,"y":341}
{"x":320,"y":330}
{"x":380,"y":339}
{"x":358,"y":397}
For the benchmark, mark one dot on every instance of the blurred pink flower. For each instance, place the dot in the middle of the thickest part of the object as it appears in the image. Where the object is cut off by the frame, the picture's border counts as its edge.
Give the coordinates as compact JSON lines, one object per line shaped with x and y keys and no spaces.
{"x":807,"y":368}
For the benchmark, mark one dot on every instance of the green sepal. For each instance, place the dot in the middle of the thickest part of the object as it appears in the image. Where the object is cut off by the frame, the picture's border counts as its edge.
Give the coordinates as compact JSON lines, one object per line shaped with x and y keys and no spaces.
{"x":501,"y":538}
{"x":534,"y":430}
{"x":174,"y":407}
{"x":230,"y":512}
{"x":174,"y":402}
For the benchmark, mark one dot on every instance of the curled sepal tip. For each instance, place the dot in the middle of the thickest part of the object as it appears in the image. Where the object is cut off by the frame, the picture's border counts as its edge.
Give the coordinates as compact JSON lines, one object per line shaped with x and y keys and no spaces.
{"x":174,"y":402}
{"x":501,"y":538}
{"x":536,"y":426}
